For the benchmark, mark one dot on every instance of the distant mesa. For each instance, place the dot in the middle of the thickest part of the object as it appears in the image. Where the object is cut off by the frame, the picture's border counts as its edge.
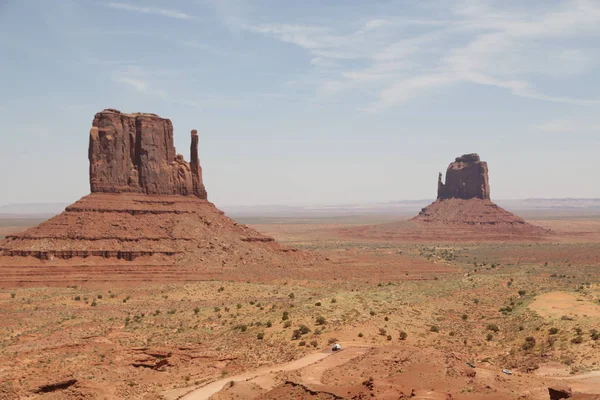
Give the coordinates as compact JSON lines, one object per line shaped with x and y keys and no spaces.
{"x":147,"y":205}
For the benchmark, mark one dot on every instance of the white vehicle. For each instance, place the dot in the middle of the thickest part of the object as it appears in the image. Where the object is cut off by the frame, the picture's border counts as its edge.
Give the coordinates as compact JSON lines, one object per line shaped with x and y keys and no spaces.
{"x":336,"y":347}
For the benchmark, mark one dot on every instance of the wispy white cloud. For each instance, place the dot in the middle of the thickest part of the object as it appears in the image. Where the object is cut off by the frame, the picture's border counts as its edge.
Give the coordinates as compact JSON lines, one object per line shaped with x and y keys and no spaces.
{"x":503,"y":48}
{"x":137,"y":78}
{"x":150,"y":10}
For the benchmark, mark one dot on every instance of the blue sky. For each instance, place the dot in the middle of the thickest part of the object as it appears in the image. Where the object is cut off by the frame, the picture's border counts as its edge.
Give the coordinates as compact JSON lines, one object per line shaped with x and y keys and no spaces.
{"x":298,"y":102}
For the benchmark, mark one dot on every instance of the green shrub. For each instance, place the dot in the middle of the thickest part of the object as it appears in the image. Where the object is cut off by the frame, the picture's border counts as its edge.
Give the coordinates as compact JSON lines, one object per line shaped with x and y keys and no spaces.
{"x":403,"y":335}
{"x":321,"y":320}
{"x":260,"y":336}
{"x":304,"y":329}
{"x":434,"y":328}
{"x":285,"y":316}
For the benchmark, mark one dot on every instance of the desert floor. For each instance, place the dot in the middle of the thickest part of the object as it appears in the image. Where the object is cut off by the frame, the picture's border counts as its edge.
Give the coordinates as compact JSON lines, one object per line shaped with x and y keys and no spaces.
{"x":410,"y":315}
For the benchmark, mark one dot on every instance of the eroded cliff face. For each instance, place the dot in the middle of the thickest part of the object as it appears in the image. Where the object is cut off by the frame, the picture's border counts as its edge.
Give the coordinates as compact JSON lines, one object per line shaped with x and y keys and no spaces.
{"x":134,"y":153}
{"x":466,"y":178}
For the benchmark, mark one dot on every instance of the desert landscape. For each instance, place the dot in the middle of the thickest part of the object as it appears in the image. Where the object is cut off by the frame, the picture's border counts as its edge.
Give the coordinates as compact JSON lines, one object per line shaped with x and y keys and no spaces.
{"x":146,"y":290}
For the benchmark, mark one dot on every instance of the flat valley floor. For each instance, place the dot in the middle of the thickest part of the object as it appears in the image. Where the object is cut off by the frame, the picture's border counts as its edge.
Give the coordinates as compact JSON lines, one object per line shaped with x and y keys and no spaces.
{"x":435,"y":319}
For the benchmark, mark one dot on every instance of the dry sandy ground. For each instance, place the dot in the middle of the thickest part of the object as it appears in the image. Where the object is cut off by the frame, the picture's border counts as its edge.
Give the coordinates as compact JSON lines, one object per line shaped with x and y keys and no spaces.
{"x":491,"y":304}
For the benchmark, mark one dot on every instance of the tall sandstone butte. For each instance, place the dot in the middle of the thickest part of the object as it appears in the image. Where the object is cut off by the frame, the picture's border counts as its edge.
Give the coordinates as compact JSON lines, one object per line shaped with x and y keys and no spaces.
{"x":466,"y":178}
{"x":134,"y":153}
{"x":147,"y":217}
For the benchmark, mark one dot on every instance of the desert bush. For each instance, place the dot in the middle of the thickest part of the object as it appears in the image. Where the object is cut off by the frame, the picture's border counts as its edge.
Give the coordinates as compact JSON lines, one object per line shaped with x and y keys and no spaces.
{"x":403,"y":335}
{"x":296,"y":334}
{"x":12,"y":295}
{"x":579,"y":331}
{"x":493,"y":328}
{"x":521,"y":292}
{"x":434,"y":328}
{"x":594,"y":334}
{"x":196,"y":310}
{"x":389,"y":337}
{"x":287,"y":324}
{"x":240,"y":327}
{"x":318,"y":304}
{"x":321,"y":320}
{"x":260,"y":336}
{"x":216,"y":309}
{"x":304,"y":329}
{"x":451,"y":333}
{"x":360,"y":334}
{"x":382,"y":331}
{"x":372,"y":313}
{"x":238,"y":306}
{"x":285,"y":316}
{"x":269,"y":324}
{"x":577,"y":339}
{"x":529,"y":343}
{"x":553,"y":331}
{"x":100,"y":296}
{"x":77,"y":298}
{"x":314,"y":343}
{"x":489,"y":337}
{"x":302,"y":343}
{"x":221,"y":289}
{"x":386,"y":319}
{"x":291,"y":295}
{"x":465,"y":317}
{"x":334,"y":300}
{"x":93,"y":303}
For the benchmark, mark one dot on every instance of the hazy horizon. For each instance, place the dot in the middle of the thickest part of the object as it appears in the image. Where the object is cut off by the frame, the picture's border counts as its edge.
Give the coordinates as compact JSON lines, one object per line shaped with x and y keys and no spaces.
{"x":344,"y":103}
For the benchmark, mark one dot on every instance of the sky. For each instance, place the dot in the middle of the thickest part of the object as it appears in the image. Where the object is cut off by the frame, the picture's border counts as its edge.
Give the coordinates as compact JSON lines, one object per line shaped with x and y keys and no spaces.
{"x":308,"y":102}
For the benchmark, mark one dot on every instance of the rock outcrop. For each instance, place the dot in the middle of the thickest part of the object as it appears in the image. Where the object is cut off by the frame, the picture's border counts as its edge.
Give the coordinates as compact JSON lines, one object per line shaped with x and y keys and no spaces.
{"x":135,"y":153}
{"x":466,"y":178}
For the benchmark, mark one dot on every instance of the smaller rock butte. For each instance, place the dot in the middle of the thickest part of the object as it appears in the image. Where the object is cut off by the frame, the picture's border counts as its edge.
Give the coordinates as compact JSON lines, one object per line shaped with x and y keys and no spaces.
{"x":134,"y":153}
{"x":466,"y":178}
{"x":464,"y":200}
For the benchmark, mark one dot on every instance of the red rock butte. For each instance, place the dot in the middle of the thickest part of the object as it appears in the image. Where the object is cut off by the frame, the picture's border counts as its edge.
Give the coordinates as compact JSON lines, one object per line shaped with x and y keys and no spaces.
{"x":464,"y":201}
{"x":147,"y":217}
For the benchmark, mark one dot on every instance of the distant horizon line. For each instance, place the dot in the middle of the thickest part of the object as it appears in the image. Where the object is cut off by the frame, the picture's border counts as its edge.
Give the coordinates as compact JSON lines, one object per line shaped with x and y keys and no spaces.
{"x":57,"y":203}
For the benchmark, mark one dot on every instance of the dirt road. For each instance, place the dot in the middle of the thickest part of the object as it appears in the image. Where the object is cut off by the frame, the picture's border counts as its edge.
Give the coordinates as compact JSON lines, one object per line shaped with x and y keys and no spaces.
{"x":313,"y":367}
